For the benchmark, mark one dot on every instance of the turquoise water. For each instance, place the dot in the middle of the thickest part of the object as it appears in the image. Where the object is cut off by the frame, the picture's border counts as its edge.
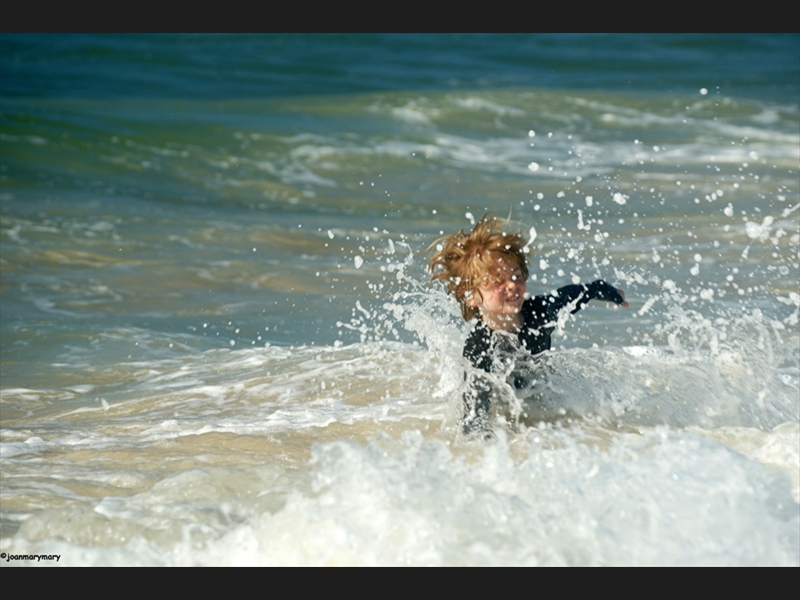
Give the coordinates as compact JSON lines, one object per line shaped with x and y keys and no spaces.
{"x":218,"y":341}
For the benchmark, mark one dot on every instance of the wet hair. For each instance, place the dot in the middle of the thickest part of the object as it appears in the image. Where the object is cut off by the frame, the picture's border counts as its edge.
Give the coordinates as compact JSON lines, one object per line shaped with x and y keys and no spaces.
{"x":465,"y":260}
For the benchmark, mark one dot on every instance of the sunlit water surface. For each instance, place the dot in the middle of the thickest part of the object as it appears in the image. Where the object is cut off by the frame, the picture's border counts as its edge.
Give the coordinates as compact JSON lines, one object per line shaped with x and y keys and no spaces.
{"x":219,"y":345}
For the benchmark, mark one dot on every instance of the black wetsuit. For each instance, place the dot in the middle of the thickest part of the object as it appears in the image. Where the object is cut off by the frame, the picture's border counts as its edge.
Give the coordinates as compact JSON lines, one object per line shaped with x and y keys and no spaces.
{"x":485,"y":349}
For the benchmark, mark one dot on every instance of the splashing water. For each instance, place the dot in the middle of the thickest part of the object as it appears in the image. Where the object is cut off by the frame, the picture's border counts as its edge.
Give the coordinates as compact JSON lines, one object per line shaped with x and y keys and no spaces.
{"x":220,"y":345}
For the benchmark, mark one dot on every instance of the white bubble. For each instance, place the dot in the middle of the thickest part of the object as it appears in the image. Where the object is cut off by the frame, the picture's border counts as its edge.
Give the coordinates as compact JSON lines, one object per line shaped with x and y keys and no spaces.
{"x":533,"y":166}
{"x":759,"y":232}
{"x":543,"y":264}
{"x":358,"y":261}
{"x":697,"y":258}
{"x":589,"y":201}
{"x":330,"y":234}
{"x":728,"y":210}
{"x":531,"y":133}
{"x":703,"y":91}
{"x":620,"y":198}
{"x":471,"y":217}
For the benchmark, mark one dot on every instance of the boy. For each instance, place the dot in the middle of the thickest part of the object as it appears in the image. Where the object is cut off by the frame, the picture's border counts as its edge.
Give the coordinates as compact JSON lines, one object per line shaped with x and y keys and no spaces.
{"x":486,"y":271}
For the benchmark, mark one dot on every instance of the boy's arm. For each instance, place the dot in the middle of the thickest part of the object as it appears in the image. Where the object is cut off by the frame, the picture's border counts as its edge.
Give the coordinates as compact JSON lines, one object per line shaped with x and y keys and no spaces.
{"x":478,"y":348}
{"x":605,"y":291}
{"x":478,"y":396}
{"x":579,"y":296}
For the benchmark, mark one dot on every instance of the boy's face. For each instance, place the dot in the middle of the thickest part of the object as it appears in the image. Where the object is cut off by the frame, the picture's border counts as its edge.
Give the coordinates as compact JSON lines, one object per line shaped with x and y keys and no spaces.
{"x":500,"y":296}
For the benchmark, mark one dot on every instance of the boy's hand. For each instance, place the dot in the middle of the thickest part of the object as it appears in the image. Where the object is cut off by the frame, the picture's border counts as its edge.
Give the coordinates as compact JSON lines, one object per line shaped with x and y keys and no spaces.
{"x":605,"y":291}
{"x":622,"y":294}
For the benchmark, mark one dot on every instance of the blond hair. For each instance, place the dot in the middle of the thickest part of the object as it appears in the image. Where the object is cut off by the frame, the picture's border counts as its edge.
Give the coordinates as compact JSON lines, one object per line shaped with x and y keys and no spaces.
{"x":465,"y":260}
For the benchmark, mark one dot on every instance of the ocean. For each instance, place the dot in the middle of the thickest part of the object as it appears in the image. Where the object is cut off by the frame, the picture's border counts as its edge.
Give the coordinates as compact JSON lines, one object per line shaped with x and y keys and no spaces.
{"x":219,"y":344}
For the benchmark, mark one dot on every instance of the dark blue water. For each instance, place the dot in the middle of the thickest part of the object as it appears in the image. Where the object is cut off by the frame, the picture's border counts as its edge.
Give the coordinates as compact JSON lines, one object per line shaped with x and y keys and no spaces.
{"x":204,"y":67}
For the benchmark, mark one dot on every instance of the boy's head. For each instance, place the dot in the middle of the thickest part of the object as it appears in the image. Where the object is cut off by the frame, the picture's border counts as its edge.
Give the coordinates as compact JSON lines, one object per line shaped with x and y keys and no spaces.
{"x":468,"y":261}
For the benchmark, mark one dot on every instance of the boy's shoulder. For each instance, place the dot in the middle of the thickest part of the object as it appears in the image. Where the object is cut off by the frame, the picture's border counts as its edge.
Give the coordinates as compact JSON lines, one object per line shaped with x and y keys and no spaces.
{"x":535,"y":305}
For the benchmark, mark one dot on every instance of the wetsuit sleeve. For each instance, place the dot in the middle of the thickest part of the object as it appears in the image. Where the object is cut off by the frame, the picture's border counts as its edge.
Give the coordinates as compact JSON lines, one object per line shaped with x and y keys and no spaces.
{"x":478,"y":347}
{"x":604,"y":291}
{"x":477,"y":397}
{"x":579,"y":296}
